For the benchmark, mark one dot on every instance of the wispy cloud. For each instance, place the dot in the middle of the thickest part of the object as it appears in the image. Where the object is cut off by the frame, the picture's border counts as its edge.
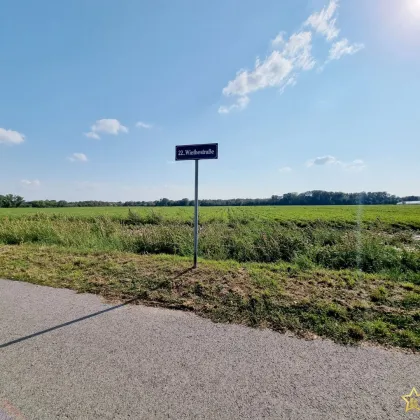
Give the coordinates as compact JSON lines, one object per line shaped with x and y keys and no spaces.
{"x":291,"y":81}
{"x":106,"y":126}
{"x":355,"y":165}
{"x":290,"y":57}
{"x":285,"y":169}
{"x":278,"y":41}
{"x":277,"y":70}
{"x":325,"y":21}
{"x":343,"y":47}
{"x":78,"y":157}
{"x":141,"y":124}
{"x":29,"y":183}
{"x":241,"y":103}
{"x":92,"y":135}
{"x":11,"y":137}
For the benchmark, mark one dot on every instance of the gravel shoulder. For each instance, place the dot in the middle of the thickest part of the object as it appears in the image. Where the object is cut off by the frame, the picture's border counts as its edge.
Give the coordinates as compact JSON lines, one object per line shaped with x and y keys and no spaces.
{"x":141,"y":362}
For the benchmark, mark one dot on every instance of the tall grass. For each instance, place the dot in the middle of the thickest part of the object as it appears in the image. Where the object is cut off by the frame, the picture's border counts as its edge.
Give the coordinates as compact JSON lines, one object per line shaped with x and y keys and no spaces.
{"x":237,"y":237}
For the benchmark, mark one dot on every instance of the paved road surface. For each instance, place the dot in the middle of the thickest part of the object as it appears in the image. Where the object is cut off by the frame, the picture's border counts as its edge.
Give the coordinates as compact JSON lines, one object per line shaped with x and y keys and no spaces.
{"x":146,"y":363}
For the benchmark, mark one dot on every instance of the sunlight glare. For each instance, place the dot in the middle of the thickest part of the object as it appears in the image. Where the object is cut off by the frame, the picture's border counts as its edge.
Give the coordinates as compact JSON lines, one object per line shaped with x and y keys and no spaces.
{"x":413,"y":8}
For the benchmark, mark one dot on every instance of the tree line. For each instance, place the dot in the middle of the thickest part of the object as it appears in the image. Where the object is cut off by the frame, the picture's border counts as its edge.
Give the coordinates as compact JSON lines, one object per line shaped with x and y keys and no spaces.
{"x":308,"y":198}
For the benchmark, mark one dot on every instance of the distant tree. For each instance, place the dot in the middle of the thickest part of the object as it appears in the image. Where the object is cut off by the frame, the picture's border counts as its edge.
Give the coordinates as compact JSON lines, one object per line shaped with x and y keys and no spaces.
{"x":308,"y":198}
{"x":163,"y":202}
{"x":10,"y":201}
{"x":410,"y":198}
{"x":185,"y":202}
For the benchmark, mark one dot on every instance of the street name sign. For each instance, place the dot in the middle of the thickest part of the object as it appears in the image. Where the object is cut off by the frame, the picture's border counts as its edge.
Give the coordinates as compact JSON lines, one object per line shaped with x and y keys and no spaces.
{"x":197,"y":151}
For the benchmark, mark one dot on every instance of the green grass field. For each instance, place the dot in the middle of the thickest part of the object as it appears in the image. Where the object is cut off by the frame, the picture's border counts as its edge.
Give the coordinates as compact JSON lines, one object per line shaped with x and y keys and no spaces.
{"x":394,"y":215}
{"x":349,"y":273}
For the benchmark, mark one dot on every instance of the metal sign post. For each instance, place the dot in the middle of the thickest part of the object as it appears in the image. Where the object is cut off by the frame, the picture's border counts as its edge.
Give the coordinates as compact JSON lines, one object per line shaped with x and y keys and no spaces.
{"x":196,"y":215}
{"x":196,"y":152}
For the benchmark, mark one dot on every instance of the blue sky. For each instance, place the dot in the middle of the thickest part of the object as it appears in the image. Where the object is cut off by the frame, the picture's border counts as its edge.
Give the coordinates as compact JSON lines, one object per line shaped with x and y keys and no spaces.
{"x":299,"y":94}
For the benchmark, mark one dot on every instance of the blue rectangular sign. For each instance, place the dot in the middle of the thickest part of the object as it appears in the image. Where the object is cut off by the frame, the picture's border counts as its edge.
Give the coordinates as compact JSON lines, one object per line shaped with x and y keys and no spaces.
{"x":197,"y":151}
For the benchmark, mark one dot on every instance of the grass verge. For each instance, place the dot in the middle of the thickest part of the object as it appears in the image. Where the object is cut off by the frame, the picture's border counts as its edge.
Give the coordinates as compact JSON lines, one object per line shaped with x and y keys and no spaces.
{"x":347,"y":306}
{"x":374,"y":250}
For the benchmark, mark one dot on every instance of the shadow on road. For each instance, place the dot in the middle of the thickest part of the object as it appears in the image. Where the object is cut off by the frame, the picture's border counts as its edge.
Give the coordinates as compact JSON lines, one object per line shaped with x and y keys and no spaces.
{"x":74,"y":321}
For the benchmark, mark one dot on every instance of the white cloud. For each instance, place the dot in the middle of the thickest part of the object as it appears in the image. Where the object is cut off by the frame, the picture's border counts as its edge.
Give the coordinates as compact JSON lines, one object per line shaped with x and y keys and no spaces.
{"x":78,"y":157}
{"x":241,"y":103}
{"x":92,"y":135}
{"x":355,"y":165}
{"x":141,"y":124}
{"x":299,"y":50}
{"x":106,"y":126}
{"x":324,"y":22}
{"x":278,"y":41}
{"x":289,"y":58}
{"x":271,"y":72}
{"x":29,"y":183}
{"x":11,"y":137}
{"x":109,"y":126}
{"x":277,"y":70}
{"x":323,"y":160}
{"x":285,"y":169}
{"x":343,"y":47}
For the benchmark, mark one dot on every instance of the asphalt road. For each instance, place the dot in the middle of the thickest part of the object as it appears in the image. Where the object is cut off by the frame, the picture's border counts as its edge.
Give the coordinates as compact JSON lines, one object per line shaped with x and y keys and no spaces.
{"x":145,"y":363}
